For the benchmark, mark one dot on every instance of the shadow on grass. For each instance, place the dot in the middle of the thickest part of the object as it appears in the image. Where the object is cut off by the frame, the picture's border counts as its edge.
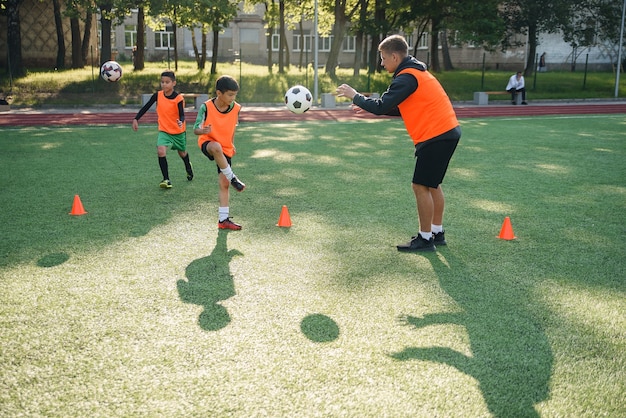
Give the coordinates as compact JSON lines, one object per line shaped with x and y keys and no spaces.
{"x":53,"y":259}
{"x":319,"y":328}
{"x":208,"y":282}
{"x":511,"y":357}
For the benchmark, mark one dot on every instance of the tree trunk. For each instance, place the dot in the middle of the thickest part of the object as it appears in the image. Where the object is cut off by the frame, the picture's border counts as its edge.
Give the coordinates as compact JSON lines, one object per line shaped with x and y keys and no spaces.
{"x":434,"y":51}
{"x":139,"y":49}
{"x":105,"y":24}
{"x":14,"y":40}
{"x":360,"y":38}
{"x":445,"y":51}
{"x":358,"y":54}
{"x":175,"y":29}
{"x":216,"y":32}
{"x":373,"y":58}
{"x":77,"y":51}
{"x":194,"y":44}
{"x":379,"y":23}
{"x":532,"y":49}
{"x":281,"y":37}
{"x":58,"y":23}
{"x":339,"y":31}
{"x":86,"y":37}
{"x":204,"y":45}
{"x":302,"y":45}
{"x":270,"y":64}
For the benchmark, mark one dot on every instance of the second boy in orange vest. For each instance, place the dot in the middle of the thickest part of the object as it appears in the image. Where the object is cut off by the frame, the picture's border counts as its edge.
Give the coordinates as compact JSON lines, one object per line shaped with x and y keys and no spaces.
{"x":170,"y":108}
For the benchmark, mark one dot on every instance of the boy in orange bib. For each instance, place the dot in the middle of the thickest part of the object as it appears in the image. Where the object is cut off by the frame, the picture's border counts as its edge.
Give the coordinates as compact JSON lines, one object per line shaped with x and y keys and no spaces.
{"x":170,"y":108}
{"x":215,"y":126}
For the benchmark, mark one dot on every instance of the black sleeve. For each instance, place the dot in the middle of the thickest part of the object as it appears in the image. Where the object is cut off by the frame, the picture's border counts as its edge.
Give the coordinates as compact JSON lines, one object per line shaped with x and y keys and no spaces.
{"x":400,"y":88}
{"x":147,"y":106}
{"x":181,"y":111}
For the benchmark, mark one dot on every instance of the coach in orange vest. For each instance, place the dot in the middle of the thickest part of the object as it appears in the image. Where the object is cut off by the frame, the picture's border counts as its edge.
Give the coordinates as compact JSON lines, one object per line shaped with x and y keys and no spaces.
{"x":430,"y":120}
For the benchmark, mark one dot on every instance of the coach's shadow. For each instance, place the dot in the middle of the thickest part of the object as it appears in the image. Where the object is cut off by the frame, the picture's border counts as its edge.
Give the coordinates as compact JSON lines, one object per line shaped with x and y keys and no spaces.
{"x":511,"y":358}
{"x":208,"y":282}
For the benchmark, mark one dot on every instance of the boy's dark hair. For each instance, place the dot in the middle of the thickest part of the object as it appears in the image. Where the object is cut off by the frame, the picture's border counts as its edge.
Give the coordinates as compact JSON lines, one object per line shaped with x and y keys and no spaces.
{"x":226,"y":83}
{"x":169,"y":74}
{"x":394,"y":43}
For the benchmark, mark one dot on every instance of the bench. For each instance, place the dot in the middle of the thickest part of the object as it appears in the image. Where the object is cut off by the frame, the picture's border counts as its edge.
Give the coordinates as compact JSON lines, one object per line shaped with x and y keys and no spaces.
{"x":199,"y":98}
{"x":481,"y":98}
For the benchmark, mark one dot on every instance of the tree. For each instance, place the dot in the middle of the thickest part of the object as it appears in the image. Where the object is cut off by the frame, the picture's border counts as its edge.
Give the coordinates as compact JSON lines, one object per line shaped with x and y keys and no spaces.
{"x":75,"y":10}
{"x":531,"y":17}
{"x":593,"y":22}
{"x":105,"y":6}
{"x":58,"y":23}
{"x":139,"y":48}
{"x":342,"y":11}
{"x":14,"y":38}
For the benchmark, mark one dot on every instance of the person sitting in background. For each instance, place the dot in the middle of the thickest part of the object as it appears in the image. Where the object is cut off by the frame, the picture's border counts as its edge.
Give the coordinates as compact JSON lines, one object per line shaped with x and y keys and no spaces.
{"x":516,"y":85}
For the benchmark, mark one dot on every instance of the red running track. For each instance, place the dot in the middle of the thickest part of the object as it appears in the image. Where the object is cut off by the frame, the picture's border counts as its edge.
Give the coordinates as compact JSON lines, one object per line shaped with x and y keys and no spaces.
{"x":280,"y":114}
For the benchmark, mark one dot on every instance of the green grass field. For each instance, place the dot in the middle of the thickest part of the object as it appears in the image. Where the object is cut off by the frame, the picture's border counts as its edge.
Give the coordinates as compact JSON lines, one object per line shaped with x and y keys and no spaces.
{"x":141,"y":308}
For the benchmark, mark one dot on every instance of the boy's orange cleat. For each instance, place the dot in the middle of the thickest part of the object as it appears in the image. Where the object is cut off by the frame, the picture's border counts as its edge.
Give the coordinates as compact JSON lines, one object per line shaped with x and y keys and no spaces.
{"x":228,"y":224}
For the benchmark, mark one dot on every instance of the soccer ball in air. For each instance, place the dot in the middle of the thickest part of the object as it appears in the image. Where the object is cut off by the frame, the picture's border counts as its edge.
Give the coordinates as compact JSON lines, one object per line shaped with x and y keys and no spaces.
{"x":298,"y":99}
{"x":111,"y":71}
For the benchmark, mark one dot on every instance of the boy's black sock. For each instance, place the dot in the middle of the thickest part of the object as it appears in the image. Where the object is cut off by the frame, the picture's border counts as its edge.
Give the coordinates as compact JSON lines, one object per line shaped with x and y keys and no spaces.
{"x":164,"y":170}
{"x":187,"y":163}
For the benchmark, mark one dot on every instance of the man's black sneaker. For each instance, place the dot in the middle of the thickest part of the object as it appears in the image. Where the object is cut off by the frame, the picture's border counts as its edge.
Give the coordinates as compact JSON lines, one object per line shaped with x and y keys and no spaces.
{"x":439,"y":238}
{"x":237,"y":184}
{"x":418,"y":243}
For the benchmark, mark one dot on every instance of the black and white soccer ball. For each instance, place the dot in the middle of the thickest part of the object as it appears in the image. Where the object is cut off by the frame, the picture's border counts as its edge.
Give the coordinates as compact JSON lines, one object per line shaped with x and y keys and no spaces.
{"x":111,"y":71}
{"x":298,"y":99}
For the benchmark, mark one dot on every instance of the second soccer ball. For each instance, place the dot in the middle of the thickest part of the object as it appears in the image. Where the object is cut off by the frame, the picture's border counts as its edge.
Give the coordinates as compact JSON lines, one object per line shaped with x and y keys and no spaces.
{"x":298,"y":99}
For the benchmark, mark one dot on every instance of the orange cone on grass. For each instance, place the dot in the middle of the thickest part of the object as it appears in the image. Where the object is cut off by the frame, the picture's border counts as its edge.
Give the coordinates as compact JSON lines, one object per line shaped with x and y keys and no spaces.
{"x":506,"y":232}
{"x":77,"y":207}
{"x":284,"y":220}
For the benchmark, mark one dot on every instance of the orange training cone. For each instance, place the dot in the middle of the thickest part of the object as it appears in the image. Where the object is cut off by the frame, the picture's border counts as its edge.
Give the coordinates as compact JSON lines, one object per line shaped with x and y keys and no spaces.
{"x":77,"y":207}
{"x":284,"y":219}
{"x":507,"y":230}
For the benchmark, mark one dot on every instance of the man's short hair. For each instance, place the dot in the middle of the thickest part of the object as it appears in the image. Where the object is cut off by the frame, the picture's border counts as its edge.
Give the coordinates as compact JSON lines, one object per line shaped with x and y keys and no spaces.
{"x":394,"y":43}
{"x":226,"y":83}
{"x":169,"y":74}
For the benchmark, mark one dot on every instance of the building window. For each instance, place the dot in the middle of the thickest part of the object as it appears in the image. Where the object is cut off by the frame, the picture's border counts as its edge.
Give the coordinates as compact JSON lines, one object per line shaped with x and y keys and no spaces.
{"x":275,"y":40}
{"x":454,"y":39}
{"x":324,"y":43}
{"x":410,"y":40}
{"x":163,"y":39}
{"x":423,"y":42}
{"x":302,"y":43}
{"x":130,"y":36}
{"x":248,"y":36}
{"x":349,"y":44}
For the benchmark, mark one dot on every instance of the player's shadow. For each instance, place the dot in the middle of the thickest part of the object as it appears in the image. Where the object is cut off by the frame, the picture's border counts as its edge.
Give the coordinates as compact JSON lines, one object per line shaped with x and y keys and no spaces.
{"x":208,"y":282}
{"x":511,"y":358}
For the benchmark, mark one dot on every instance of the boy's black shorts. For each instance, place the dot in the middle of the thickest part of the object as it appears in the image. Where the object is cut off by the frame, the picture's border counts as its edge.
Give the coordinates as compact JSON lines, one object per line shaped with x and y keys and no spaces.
{"x":433,"y":157}
{"x":210,"y":157}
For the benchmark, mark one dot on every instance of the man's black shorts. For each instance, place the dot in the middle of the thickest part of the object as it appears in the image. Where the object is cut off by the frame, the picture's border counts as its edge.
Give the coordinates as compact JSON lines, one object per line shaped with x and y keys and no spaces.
{"x":433,"y":157}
